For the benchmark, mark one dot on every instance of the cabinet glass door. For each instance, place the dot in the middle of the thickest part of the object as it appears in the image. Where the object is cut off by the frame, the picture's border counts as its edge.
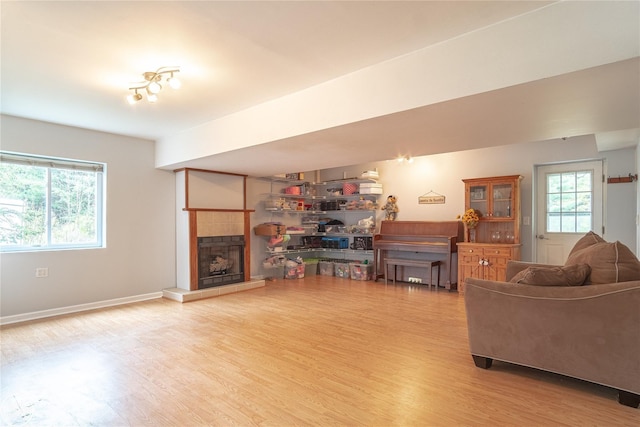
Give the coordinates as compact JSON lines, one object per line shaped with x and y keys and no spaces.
{"x":478,"y":199}
{"x":502,"y":201}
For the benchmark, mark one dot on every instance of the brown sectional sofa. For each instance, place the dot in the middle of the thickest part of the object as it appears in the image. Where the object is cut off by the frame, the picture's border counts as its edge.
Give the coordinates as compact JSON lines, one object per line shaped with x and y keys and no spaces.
{"x":590,"y":332}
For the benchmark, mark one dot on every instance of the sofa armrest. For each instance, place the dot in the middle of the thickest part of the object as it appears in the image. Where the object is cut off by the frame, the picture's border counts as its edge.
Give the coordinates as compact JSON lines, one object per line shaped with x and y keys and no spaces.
{"x":587,"y":332}
{"x":515,"y":267}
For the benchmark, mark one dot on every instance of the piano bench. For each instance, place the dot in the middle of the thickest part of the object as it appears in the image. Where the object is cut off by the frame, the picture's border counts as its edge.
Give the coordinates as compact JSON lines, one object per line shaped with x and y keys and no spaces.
{"x":412,"y":263}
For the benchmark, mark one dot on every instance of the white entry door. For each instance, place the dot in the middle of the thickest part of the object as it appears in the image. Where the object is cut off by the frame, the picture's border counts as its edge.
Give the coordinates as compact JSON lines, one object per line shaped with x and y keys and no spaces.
{"x":569,"y":203}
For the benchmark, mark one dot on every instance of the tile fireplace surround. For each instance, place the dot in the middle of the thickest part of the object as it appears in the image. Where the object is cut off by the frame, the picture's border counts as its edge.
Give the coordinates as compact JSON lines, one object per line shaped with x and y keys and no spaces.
{"x":219,"y":223}
{"x":211,"y":224}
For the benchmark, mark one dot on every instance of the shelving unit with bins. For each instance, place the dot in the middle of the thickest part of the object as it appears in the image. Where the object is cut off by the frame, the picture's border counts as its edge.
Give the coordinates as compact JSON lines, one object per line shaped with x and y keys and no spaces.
{"x":301,"y":213}
{"x":497,"y":201}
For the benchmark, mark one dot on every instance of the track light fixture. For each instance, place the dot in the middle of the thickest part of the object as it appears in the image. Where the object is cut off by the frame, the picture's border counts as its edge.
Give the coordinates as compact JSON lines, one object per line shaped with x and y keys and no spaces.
{"x":402,"y":159}
{"x":152,"y":84}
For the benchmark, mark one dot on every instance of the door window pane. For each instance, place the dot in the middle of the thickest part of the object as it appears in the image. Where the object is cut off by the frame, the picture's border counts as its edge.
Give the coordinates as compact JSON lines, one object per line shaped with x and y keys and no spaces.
{"x":569,"y":202}
{"x":553,"y":223}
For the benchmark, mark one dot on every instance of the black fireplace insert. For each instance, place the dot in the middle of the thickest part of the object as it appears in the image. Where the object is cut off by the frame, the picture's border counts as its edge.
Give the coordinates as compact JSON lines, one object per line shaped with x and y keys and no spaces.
{"x":220,"y":260}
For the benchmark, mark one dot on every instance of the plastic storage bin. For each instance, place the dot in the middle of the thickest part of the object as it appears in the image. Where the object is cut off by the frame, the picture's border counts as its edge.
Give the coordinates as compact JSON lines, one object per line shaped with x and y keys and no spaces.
{"x":349,"y":188}
{"x":373,"y":188}
{"x":293,"y":270}
{"x":325,"y":268}
{"x":362,"y":243}
{"x":335,"y":242}
{"x":361,"y":271}
{"x":274,"y":267}
{"x":294,"y":189}
{"x":274,"y":272}
{"x":311,"y":266}
{"x":341,"y":269}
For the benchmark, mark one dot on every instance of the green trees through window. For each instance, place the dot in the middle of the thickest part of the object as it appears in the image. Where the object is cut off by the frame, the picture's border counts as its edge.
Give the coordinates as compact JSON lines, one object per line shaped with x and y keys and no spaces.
{"x":569,"y":202}
{"x":49,"y":203}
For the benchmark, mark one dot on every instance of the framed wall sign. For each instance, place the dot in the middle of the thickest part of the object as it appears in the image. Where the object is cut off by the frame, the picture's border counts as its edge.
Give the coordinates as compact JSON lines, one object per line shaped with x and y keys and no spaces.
{"x":431,"y":198}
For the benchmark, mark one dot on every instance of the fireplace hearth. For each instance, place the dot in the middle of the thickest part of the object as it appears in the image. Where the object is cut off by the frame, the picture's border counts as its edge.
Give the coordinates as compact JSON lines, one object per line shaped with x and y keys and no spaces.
{"x":220,"y":260}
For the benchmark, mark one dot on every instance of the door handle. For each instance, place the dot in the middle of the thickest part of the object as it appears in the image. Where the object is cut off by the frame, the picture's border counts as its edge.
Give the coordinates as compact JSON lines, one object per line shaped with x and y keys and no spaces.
{"x":541,"y":237}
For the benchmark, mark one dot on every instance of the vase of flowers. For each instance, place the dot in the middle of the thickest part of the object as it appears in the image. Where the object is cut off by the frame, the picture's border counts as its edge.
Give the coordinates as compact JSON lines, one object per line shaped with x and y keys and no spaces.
{"x":470,"y":219}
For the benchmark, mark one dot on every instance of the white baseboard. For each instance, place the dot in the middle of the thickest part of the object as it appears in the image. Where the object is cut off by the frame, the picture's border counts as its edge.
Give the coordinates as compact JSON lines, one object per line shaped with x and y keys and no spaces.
{"x":6,"y":320}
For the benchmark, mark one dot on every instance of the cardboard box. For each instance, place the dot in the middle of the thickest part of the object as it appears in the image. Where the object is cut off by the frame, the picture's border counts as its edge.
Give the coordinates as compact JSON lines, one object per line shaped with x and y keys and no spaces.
{"x":270,"y":229}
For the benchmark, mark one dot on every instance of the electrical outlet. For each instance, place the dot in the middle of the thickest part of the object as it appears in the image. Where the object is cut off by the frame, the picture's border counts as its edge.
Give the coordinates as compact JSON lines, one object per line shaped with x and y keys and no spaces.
{"x":42,"y":272}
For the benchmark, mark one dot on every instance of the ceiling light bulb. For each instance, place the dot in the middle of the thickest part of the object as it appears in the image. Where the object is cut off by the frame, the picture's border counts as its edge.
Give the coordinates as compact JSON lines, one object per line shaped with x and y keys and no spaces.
{"x":174,"y":82}
{"x":154,"y":87}
{"x":134,"y":97}
{"x":152,"y":97}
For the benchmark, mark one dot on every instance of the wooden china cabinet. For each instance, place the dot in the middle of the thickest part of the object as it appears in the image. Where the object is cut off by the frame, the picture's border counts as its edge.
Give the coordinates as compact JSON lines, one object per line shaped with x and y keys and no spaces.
{"x":497,"y":235}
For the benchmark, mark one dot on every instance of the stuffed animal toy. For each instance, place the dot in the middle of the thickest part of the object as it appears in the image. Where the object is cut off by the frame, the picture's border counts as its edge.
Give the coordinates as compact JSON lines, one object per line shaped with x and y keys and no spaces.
{"x":391,"y":209}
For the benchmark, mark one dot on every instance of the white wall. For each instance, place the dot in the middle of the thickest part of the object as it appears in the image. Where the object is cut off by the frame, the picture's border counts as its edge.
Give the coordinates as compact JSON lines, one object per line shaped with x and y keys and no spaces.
{"x":139,"y":257}
{"x":622,"y":198}
{"x":443,"y":174}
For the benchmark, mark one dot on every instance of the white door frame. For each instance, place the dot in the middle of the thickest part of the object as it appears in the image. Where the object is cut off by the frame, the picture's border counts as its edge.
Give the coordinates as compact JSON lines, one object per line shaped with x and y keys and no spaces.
{"x":535,"y":207}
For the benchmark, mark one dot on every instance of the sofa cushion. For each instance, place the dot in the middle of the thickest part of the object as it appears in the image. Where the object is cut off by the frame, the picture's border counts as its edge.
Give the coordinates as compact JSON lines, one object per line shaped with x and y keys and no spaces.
{"x":609,"y":262}
{"x":585,"y":241}
{"x":572,"y":275}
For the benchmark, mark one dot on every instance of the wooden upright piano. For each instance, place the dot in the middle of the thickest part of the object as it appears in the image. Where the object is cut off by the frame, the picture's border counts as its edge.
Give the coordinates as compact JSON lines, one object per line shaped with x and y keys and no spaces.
{"x":428,"y":240}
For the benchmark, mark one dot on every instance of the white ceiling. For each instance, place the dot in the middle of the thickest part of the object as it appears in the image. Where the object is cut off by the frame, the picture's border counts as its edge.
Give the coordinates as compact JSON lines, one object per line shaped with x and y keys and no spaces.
{"x":72,"y":62}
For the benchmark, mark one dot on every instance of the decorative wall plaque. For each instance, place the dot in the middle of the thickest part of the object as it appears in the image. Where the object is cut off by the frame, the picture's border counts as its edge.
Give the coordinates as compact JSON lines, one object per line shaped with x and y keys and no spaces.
{"x":431,"y":198}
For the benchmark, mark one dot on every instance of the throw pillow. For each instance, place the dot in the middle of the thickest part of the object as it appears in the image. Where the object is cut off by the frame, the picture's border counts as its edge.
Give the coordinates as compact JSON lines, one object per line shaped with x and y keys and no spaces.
{"x":573,"y":275}
{"x":585,"y":241}
{"x":609,"y":262}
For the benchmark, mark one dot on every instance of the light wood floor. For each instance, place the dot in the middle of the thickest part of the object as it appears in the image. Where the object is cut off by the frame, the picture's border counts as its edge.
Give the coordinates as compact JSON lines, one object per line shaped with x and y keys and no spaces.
{"x":319,"y":351}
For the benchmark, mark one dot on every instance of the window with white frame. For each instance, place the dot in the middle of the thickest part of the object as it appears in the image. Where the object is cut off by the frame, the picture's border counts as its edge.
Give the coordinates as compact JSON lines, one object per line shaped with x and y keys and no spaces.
{"x":49,"y":203}
{"x":570,"y":202}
